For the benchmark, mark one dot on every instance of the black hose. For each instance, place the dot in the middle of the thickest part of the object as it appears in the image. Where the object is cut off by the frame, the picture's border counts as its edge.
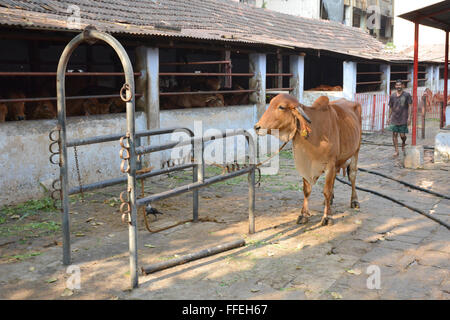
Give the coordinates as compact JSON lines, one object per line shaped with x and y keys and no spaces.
{"x":398,"y":202}
{"x":406,"y":183}
{"x":390,"y":145}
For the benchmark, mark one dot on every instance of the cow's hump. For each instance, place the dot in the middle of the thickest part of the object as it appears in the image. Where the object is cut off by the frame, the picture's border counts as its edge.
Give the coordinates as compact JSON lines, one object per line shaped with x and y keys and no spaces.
{"x":321,"y":103}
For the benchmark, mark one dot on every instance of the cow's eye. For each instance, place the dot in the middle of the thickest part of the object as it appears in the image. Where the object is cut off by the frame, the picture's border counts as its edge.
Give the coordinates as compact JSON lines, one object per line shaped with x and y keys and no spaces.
{"x":281,"y":107}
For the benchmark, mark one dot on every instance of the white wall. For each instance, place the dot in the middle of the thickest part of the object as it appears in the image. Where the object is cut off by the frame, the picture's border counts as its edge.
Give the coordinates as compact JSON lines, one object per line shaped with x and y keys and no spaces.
{"x":303,"y":8}
{"x":24,"y":154}
{"x":404,"y":29}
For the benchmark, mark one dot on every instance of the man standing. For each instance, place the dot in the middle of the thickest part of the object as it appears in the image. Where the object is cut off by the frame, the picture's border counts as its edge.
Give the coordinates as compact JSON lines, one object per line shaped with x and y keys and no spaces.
{"x":399,"y":115}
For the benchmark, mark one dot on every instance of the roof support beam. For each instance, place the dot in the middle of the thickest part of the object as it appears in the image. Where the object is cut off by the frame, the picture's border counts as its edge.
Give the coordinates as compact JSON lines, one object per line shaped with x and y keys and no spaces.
{"x":444,"y":106}
{"x":415,"y":81}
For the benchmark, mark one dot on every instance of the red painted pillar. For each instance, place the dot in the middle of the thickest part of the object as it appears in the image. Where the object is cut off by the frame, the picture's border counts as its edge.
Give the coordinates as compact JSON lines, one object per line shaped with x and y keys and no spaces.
{"x":415,"y":77}
{"x":382,"y":118}
{"x":445,"y":81}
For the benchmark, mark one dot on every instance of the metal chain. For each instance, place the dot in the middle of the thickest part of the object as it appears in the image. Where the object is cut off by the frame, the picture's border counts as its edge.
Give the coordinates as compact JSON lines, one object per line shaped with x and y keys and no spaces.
{"x":78,"y":172}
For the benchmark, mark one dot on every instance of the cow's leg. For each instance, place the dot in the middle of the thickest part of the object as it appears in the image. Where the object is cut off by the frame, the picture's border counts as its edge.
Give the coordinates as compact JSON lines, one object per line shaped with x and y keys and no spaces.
{"x":328,"y":193}
{"x":352,"y":176}
{"x":303,"y":218}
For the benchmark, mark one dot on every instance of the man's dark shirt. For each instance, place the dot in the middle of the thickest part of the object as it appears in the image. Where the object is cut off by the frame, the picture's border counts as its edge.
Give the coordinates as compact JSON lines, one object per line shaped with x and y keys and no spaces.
{"x":399,"y":106}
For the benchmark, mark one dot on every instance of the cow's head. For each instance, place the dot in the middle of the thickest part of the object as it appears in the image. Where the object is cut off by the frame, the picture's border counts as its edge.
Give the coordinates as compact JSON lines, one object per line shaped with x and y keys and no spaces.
{"x":16,"y":110}
{"x":3,"y":112}
{"x":45,"y":110}
{"x":283,"y":118}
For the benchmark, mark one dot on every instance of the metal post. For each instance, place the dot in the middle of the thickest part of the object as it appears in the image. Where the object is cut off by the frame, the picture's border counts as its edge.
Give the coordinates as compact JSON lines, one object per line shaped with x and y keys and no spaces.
{"x":415,"y":78}
{"x":445,"y":82}
{"x":251,"y":201}
{"x":198,"y":174}
{"x":382,"y":118}
{"x":373,"y":112}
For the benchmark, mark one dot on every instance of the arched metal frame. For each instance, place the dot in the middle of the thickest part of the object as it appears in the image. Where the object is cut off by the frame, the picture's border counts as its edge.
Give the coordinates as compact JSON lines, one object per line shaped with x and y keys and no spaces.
{"x":92,"y":35}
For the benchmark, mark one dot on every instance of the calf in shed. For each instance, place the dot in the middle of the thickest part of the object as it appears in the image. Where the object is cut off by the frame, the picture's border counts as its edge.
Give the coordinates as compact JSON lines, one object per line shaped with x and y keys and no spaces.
{"x":16,"y":110}
{"x":3,"y":112}
{"x":326,"y":137}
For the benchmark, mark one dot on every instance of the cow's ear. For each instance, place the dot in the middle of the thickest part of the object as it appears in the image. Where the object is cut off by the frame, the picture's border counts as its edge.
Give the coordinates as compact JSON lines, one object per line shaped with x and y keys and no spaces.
{"x":321,"y":103}
{"x":302,"y":121}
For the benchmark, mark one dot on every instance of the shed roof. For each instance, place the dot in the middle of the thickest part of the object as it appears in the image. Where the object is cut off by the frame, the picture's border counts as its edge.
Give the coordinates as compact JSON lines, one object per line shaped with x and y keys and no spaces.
{"x":222,"y":20}
{"x":436,"y":15}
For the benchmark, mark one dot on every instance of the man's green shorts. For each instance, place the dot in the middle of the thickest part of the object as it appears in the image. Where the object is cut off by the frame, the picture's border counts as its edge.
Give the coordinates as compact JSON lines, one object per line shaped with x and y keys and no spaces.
{"x":401,"y":128}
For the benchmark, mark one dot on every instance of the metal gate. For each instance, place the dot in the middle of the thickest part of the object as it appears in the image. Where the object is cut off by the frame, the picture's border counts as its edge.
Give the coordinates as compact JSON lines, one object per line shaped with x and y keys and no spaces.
{"x":130,"y":152}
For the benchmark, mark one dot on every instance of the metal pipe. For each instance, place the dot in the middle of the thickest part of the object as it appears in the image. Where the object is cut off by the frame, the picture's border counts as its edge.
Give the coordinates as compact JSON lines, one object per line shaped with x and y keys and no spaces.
{"x":279,"y":74}
{"x":193,"y":256}
{"x":204,"y":74}
{"x":369,"y":82}
{"x":279,"y":89}
{"x":204,"y":92}
{"x":115,"y":137}
{"x":193,"y":140}
{"x":194,"y":62}
{"x":90,"y":35}
{"x":48,"y":74}
{"x":191,"y":186}
{"x":444,"y":106}
{"x":119,"y":180}
{"x":415,"y":80}
{"x":100,"y":96}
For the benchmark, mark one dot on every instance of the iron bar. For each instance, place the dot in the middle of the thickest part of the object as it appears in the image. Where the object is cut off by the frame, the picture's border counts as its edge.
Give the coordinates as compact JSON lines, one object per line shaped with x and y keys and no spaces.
{"x":415,"y":82}
{"x":51,"y":74}
{"x":119,"y":180}
{"x":369,"y":82}
{"x":204,"y":74}
{"x":279,"y":74}
{"x":192,"y":186}
{"x":193,"y":140}
{"x":204,"y":92}
{"x":444,"y":104}
{"x":100,"y":96}
{"x":194,"y":63}
{"x":116,"y":137}
{"x":193,"y":256}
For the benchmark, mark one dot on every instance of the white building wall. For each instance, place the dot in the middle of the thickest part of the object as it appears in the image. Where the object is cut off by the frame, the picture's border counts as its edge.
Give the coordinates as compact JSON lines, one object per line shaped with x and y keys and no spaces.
{"x":303,"y":8}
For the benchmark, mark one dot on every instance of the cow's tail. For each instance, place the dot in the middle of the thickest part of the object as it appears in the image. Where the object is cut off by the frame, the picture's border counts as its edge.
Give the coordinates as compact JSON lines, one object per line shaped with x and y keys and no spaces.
{"x":348,"y":172}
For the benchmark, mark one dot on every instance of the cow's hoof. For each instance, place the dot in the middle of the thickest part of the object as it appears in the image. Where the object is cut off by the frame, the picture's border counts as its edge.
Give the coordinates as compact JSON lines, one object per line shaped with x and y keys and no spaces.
{"x":354,"y":204}
{"x":302,"y":219}
{"x":326,"y":221}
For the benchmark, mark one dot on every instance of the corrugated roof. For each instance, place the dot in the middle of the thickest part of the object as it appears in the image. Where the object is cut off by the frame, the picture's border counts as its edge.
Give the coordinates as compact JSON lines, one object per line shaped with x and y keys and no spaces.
{"x":201,"y":19}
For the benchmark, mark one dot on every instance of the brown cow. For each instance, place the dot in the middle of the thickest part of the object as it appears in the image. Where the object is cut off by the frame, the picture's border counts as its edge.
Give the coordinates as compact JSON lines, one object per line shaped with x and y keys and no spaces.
{"x":328,"y":143}
{"x":16,"y":110}
{"x":3,"y":112}
{"x":325,"y":87}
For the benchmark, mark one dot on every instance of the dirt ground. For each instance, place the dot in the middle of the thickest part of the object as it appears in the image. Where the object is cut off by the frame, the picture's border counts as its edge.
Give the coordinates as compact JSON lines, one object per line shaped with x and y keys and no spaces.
{"x":282,"y":260}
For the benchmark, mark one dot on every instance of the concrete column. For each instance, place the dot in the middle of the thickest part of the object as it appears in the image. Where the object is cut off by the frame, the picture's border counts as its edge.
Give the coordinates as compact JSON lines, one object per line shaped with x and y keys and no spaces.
{"x":436,"y":78}
{"x":429,"y":76}
{"x":258,"y":82}
{"x":385,"y":78}
{"x":349,"y":81}
{"x":297,"y":68}
{"x":410,"y":77}
{"x":147,"y":62}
